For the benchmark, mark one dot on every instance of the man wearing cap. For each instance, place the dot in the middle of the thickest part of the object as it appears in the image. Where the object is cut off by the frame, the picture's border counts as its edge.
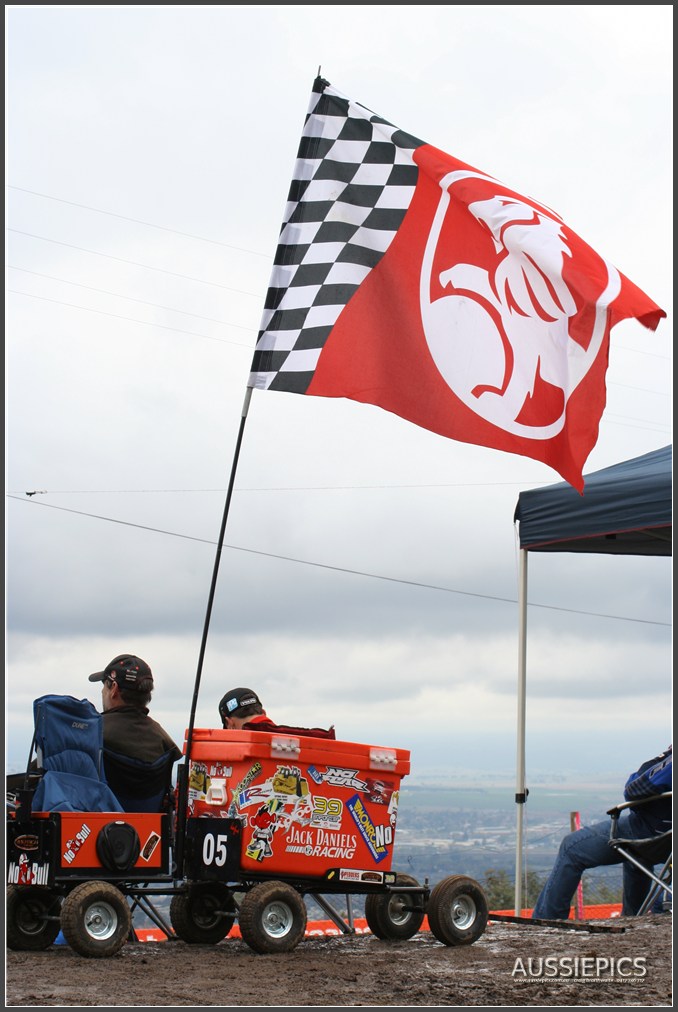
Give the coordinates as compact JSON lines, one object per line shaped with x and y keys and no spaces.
{"x":241,"y":710}
{"x":127,"y":686}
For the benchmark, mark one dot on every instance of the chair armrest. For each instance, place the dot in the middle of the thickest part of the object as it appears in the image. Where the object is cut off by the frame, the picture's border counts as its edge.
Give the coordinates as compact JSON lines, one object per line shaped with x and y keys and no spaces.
{"x":637,"y":803}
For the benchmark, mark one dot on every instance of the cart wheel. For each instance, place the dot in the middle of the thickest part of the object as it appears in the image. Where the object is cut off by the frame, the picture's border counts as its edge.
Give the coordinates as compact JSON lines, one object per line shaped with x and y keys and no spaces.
{"x":96,"y":919}
{"x":272,"y":917}
{"x":390,"y":915}
{"x":457,"y":911}
{"x":32,"y":917}
{"x":204,"y":914}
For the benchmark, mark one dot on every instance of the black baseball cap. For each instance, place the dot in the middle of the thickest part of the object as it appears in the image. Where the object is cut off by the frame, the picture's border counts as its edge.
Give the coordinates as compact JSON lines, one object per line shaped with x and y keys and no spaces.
{"x":128,"y":671}
{"x":235,"y":701}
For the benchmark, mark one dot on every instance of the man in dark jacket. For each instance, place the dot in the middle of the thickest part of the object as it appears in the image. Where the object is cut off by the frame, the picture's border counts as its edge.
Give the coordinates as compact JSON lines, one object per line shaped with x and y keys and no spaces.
{"x":241,"y":710}
{"x":126,"y":689}
{"x":589,"y":847}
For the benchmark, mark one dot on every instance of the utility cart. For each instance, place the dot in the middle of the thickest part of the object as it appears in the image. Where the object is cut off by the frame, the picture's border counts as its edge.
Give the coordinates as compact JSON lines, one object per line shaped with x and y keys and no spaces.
{"x":259,"y":821}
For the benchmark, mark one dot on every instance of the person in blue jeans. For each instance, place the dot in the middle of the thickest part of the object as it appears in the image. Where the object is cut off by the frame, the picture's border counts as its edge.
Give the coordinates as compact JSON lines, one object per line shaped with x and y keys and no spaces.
{"x":589,"y":848}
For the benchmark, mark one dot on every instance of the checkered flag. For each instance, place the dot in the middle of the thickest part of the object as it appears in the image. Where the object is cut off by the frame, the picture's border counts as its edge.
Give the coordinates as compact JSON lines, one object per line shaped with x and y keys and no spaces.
{"x":353,"y":181}
{"x":407,"y":279}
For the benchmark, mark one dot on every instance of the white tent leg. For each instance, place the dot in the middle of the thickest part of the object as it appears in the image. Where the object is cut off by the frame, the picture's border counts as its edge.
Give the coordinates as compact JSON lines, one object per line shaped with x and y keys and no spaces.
{"x":521,"y":793}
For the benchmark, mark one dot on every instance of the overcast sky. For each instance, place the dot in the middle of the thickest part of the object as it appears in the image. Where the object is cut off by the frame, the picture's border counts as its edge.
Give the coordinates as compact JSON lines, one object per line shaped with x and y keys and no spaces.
{"x":369,"y":576}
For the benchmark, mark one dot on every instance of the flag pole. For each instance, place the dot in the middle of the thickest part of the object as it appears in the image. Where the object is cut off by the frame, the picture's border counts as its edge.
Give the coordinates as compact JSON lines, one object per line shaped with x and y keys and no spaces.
{"x":521,"y":792}
{"x":182,"y":777}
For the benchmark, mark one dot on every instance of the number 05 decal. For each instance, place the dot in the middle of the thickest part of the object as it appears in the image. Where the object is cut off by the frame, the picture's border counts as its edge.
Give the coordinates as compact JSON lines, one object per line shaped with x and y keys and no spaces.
{"x":215,"y":849}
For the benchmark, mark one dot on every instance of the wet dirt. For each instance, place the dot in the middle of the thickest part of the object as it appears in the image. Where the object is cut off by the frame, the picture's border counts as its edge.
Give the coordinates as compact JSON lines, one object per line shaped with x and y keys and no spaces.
{"x":509,"y":965}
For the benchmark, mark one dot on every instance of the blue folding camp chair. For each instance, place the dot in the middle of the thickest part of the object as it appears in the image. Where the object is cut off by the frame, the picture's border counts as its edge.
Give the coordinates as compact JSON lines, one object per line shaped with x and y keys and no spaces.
{"x":68,"y":744}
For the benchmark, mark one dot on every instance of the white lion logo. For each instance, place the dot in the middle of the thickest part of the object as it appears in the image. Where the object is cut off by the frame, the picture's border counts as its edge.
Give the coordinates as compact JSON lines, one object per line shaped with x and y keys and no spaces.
{"x":501,"y":338}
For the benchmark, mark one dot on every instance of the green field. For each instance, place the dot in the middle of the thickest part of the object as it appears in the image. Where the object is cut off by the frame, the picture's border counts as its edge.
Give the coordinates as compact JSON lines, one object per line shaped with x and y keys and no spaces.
{"x":543,"y":799}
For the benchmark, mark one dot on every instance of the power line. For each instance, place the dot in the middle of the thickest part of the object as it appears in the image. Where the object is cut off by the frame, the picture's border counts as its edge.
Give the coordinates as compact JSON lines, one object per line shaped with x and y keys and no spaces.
{"x":644,"y":390}
{"x":133,"y":263}
{"x":130,"y":319}
{"x":275,"y":488}
{"x":342,"y":569}
{"x":137,"y":221}
{"x":128,"y":298}
{"x":650,"y":426}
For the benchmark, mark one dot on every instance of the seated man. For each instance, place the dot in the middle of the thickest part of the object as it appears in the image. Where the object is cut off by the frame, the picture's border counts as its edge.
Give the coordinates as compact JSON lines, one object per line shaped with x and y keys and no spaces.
{"x":129,"y":733}
{"x":126,"y":731}
{"x":241,"y":709}
{"x":126,"y":689}
{"x":589,"y":847}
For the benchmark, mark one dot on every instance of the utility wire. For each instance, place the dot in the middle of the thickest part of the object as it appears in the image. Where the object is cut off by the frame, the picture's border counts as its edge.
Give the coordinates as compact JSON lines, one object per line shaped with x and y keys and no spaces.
{"x":130,"y":319}
{"x":133,"y":263}
{"x":137,"y":221}
{"x":117,"y":295}
{"x":343,"y":569}
{"x":272,"y":488}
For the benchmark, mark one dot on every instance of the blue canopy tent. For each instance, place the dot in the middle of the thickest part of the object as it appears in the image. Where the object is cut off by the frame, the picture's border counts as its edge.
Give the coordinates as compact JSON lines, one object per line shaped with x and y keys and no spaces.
{"x":626,"y":509}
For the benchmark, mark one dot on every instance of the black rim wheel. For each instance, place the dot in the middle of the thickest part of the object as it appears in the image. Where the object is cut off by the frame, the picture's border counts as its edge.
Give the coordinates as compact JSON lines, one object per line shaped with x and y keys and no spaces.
{"x":33,"y":920}
{"x":395,"y":915}
{"x":204,"y":914}
{"x":457,"y":910}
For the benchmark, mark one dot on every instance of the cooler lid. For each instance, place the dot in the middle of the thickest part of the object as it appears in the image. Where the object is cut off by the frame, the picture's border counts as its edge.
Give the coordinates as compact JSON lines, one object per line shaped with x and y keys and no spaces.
{"x":273,"y":745}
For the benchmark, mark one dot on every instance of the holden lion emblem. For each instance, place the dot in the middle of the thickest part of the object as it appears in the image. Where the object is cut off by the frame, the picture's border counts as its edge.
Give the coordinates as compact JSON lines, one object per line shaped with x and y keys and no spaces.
{"x":506,"y":330}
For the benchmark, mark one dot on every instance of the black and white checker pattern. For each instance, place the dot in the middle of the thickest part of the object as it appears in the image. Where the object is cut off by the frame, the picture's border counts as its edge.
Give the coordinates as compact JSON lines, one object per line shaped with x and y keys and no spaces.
{"x":353,"y":181}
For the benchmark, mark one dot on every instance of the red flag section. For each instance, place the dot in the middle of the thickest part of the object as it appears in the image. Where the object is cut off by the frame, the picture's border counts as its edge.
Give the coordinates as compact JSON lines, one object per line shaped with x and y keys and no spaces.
{"x":409,"y":280}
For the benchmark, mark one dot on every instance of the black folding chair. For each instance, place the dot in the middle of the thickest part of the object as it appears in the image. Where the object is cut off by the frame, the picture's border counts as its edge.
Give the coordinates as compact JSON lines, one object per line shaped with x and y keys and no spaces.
{"x":645,"y":854}
{"x":140,"y":786}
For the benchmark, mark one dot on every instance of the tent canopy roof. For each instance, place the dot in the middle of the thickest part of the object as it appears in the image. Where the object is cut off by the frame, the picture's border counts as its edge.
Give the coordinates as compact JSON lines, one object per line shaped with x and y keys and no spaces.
{"x":626,"y":509}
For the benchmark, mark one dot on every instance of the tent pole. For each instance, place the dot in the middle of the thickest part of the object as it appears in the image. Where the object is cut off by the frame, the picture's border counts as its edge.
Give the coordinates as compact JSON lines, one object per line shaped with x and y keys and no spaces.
{"x":521,"y":792}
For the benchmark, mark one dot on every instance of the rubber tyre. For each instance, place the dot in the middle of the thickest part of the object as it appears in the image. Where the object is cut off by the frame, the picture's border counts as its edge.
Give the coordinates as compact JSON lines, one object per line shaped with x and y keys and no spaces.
{"x":96,"y":919}
{"x":272,"y":917}
{"x":386,"y":913}
{"x":32,"y":917}
{"x":457,"y":911}
{"x":204,"y":914}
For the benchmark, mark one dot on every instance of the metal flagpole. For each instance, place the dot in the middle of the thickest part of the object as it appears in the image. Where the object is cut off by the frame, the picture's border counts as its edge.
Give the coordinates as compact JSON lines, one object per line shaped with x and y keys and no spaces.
{"x":521,"y":792}
{"x":182,"y":777}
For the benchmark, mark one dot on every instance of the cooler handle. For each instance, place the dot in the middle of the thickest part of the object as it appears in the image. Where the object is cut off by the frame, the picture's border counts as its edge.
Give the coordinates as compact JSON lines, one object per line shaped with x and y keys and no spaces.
{"x":381,"y":758}
{"x":283,"y":748}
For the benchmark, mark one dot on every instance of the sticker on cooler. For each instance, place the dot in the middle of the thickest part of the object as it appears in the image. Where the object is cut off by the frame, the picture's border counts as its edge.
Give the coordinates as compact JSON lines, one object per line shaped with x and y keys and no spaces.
{"x":377,"y":837}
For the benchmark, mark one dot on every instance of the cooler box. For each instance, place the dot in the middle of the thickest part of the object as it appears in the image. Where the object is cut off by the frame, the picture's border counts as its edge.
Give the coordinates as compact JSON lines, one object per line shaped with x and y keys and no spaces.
{"x":307,"y":805}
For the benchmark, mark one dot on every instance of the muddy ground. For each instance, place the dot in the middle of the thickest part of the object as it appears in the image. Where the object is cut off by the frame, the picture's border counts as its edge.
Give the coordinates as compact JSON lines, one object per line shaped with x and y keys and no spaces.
{"x":604,"y":968}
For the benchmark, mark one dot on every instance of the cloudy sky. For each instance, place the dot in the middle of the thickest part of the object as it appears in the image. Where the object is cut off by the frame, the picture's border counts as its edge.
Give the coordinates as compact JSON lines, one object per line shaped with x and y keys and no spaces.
{"x":369,"y":575}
